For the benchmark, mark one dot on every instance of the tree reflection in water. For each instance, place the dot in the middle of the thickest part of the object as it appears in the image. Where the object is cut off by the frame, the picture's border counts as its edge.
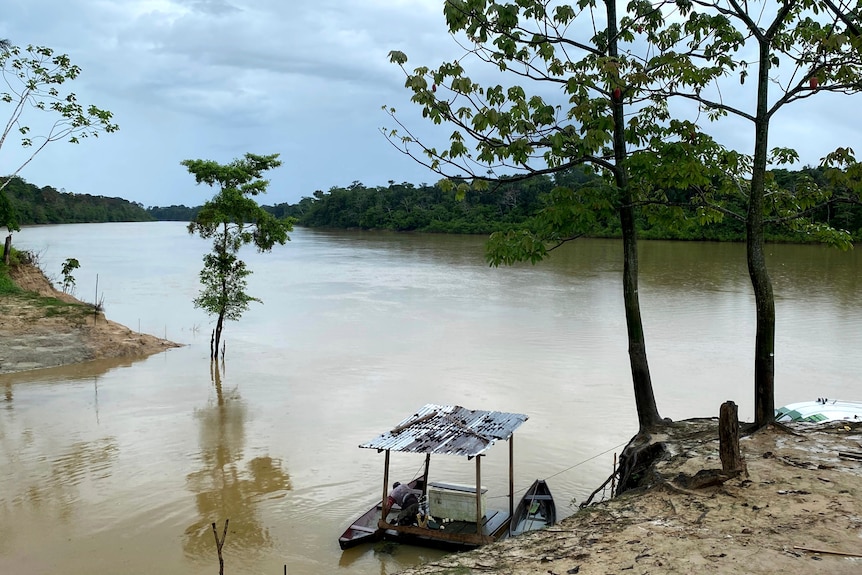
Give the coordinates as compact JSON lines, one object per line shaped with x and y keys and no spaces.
{"x":52,"y":483}
{"x":226,"y":487}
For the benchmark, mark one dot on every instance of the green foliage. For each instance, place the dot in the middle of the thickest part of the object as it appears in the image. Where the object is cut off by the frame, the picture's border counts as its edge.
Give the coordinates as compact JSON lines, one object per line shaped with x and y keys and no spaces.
{"x":223,"y":281}
{"x":173,"y":213}
{"x":33,"y":205}
{"x":70,"y":265}
{"x":8,"y":215}
{"x":617,"y":85}
{"x":808,"y":48}
{"x":232,"y":219}
{"x":572,"y":203}
{"x":7,"y":286}
{"x":437,"y":208}
{"x":667,"y":51}
{"x":33,"y":79}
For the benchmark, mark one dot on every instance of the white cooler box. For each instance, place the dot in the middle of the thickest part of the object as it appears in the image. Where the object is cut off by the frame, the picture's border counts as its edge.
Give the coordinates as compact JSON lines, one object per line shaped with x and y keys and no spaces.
{"x":456,"y":502}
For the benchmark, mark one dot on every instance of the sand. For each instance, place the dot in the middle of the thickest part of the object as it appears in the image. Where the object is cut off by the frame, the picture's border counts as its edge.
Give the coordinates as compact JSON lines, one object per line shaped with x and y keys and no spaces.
{"x":798,"y":510}
{"x":44,"y":327}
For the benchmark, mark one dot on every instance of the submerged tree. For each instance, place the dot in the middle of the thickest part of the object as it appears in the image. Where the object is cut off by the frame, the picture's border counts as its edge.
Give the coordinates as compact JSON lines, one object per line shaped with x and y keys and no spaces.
{"x":232,"y":219}
{"x":33,"y":77}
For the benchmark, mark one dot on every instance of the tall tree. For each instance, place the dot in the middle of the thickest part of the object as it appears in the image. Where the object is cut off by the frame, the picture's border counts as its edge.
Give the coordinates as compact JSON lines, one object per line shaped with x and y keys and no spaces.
{"x":575,"y":49}
{"x":232,"y":219}
{"x":796,"y":51}
{"x":33,"y":77}
{"x":619,"y":78}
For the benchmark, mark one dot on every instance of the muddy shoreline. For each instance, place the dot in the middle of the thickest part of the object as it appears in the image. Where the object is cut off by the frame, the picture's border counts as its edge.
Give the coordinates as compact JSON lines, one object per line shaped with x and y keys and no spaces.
{"x":43,"y":327}
{"x":797,"y":509}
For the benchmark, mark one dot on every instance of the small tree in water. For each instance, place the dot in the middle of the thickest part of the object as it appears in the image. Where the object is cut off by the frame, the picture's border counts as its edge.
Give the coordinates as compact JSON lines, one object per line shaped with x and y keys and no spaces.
{"x":232,"y":219}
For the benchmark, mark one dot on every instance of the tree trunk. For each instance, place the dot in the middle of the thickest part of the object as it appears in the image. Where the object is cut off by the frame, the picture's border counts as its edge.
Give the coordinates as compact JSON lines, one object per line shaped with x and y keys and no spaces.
{"x":7,"y":249}
{"x":764,"y":300}
{"x":217,"y":337}
{"x":648,"y":415}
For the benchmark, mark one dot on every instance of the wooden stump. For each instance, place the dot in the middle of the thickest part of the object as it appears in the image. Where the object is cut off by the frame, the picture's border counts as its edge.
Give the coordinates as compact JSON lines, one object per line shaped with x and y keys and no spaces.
{"x":728,"y":438}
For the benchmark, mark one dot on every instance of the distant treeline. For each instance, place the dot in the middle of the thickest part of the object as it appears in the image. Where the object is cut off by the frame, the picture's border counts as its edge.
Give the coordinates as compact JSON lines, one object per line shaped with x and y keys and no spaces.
{"x":427,"y":208}
{"x":34,"y":205}
{"x":173,"y":213}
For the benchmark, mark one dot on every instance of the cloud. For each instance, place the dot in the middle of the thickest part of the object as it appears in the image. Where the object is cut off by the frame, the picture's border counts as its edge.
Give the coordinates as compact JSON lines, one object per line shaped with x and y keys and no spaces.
{"x":306,"y":78}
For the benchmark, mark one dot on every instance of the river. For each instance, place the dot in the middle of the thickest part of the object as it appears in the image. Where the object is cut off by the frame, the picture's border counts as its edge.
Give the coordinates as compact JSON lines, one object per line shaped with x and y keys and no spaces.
{"x":120,"y":466}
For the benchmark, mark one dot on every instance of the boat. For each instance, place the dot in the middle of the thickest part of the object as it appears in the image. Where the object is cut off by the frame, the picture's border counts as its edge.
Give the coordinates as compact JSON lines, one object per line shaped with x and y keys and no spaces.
{"x":535,"y":511}
{"x":451,"y":516}
{"x":363,"y":530}
{"x":822,"y":409}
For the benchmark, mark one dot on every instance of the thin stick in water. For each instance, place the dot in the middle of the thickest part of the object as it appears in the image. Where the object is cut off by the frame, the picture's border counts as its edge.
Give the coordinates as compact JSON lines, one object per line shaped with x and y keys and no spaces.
{"x":219,"y":545}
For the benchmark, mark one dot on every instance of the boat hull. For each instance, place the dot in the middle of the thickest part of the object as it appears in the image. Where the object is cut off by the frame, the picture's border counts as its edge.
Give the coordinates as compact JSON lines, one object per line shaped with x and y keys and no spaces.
{"x":536,"y":510}
{"x":822,"y":409}
{"x":363,"y":530}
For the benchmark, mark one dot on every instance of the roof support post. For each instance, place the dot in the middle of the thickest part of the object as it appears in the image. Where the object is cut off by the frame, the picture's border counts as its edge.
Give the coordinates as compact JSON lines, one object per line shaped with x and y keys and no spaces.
{"x":425,"y":475}
{"x":511,"y":480}
{"x":478,"y":495}
{"x":384,"y":510}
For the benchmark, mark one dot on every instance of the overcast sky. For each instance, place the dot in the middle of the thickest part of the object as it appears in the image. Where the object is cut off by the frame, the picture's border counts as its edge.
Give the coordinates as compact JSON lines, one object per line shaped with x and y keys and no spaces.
{"x":215,"y":79}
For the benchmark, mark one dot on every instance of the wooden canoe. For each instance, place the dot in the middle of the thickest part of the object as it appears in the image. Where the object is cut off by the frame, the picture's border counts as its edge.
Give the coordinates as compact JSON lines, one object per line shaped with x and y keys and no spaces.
{"x":363,"y":530}
{"x":536,"y":509}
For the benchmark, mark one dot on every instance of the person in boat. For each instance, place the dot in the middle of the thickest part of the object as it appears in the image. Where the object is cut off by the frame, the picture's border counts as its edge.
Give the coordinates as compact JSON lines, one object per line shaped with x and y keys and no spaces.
{"x":406,"y":496}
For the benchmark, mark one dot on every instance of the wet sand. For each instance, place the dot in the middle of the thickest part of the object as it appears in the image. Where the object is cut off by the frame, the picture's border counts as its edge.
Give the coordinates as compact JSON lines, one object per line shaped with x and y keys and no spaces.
{"x":37,"y":333}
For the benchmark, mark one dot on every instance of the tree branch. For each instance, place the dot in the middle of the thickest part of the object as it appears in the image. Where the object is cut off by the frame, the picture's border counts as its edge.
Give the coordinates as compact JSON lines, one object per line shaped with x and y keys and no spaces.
{"x":711,"y":104}
{"x":840,"y":14}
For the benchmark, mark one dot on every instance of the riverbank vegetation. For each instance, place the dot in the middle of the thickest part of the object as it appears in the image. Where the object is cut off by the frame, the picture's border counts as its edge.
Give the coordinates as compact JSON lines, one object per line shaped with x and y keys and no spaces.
{"x":507,"y":205}
{"x":428,"y":208}
{"x":32,"y":205}
{"x":7,"y":286}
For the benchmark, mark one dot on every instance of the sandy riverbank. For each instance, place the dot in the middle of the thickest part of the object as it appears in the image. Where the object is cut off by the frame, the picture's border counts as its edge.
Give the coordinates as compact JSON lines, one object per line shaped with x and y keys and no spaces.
{"x":799,"y":495}
{"x":43,"y":327}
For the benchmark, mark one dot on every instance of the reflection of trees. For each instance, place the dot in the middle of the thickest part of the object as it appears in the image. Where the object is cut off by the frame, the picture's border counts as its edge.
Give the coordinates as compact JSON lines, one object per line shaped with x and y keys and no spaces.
{"x":226,"y":487}
{"x":58,"y":487}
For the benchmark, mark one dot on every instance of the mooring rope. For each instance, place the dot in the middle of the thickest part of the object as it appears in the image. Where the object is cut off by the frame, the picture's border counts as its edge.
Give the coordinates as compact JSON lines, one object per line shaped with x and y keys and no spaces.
{"x":588,"y":460}
{"x":569,"y":468}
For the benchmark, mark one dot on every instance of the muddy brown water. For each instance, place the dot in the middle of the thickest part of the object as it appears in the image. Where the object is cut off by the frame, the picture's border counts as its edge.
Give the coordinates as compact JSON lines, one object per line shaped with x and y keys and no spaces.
{"x":120,"y":466}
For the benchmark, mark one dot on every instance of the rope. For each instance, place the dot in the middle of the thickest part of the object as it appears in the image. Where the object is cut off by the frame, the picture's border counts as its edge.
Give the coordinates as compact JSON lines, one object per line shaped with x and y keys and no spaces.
{"x":569,"y":468}
{"x":589,"y":459}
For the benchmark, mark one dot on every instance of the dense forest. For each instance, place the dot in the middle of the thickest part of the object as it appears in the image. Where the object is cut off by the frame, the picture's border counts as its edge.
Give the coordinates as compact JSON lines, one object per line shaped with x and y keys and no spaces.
{"x":173,"y":213}
{"x":31,"y":204}
{"x":428,"y":208}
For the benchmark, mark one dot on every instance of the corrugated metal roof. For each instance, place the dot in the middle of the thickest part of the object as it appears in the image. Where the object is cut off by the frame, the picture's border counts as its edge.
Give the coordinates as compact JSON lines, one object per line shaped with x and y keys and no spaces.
{"x":450,"y":430}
